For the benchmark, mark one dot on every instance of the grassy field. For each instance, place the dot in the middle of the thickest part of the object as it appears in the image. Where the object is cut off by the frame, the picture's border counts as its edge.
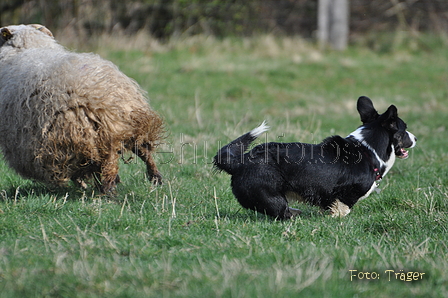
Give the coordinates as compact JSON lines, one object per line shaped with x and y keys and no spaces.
{"x":190,"y":237}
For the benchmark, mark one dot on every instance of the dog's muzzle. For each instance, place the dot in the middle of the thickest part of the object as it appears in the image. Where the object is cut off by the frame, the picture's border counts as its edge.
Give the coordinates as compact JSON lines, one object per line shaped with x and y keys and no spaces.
{"x":404,"y":139}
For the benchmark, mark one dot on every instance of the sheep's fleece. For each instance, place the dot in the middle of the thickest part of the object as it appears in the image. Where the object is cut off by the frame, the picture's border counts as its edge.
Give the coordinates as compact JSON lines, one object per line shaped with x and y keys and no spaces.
{"x":68,"y":116}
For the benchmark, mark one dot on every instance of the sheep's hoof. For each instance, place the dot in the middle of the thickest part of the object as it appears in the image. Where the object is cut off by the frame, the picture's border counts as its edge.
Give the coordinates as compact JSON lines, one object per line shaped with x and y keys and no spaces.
{"x":117,"y":179}
{"x":109,"y":191}
{"x":80,"y":183}
{"x":109,"y":188}
{"x":156,"y":179}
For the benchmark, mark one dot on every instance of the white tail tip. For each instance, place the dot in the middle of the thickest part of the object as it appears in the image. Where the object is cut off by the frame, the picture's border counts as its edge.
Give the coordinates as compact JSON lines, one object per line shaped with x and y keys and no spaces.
{"x":259,"y":130}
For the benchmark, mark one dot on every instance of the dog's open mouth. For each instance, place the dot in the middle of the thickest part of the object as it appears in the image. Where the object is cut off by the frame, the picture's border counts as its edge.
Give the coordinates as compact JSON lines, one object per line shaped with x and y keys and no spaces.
{"x":401,"y":153}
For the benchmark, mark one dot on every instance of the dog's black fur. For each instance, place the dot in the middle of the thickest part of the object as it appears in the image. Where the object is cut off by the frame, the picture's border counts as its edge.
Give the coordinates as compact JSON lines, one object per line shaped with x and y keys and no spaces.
{"x":334,"y":174}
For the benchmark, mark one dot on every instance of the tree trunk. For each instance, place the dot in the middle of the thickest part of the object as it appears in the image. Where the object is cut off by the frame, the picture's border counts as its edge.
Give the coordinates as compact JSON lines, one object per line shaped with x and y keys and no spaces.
{"x":333,"y":19}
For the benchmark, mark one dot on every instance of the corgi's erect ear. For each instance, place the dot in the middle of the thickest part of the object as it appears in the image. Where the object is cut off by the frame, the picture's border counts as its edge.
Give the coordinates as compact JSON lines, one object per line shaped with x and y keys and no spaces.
{"x":366,"y":110}
{"x":389,"y":118}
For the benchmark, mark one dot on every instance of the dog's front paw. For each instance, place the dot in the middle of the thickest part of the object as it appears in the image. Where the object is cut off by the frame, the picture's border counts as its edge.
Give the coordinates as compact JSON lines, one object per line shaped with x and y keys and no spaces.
{"x":339,"y":209}
{"x":294,"y":212}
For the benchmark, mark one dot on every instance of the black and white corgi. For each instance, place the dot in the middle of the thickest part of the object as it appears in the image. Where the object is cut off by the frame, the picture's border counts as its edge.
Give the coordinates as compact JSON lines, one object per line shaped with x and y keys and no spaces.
{"x":334,"y":174}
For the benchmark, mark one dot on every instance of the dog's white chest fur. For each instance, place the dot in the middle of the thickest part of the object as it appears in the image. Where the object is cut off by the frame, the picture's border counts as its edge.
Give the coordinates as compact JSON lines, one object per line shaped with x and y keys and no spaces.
{"x":372,"y":188}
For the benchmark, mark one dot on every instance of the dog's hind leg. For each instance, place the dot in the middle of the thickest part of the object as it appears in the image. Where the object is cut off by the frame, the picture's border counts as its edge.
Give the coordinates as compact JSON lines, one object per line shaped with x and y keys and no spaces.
{"x":275,"y":206}
{"x":293,"y":197}
{"x":144,"y":151}
{"x":258,"y":196}
{"x":278,"y":207}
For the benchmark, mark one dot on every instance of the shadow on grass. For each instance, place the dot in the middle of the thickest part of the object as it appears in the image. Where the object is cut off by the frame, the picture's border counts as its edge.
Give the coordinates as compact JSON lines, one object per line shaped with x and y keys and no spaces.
{"x":242,"y":214}
{"x":35,"y":189}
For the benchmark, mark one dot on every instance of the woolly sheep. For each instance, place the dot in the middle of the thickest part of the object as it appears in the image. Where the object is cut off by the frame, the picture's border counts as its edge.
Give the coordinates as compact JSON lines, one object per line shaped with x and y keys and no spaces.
{"x":67,"y":116}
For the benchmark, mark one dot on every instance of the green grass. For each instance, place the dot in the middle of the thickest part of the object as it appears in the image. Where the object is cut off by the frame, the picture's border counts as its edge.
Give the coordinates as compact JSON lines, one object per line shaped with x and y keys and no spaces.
{"x":190,"y":237}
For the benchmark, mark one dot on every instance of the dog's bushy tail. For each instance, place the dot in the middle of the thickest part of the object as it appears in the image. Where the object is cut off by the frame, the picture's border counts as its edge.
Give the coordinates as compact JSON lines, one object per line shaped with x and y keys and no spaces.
{"x":230,"y":157}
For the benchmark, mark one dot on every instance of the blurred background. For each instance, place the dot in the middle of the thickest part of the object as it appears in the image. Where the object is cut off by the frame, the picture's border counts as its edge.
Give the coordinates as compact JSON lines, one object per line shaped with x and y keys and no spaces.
{"x":165,"y":19}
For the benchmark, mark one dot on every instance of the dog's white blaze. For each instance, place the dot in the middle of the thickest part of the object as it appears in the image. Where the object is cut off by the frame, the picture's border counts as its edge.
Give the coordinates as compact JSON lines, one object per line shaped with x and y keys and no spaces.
{"x":259,"y":130}
{"x":413,"y":139}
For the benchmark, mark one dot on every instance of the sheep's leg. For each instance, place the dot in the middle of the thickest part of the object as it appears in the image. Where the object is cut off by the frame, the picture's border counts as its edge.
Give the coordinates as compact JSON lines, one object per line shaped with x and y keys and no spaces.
{"x":109,"y":172}
{"x":144,"y":152}
{"x":90,"y":172}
